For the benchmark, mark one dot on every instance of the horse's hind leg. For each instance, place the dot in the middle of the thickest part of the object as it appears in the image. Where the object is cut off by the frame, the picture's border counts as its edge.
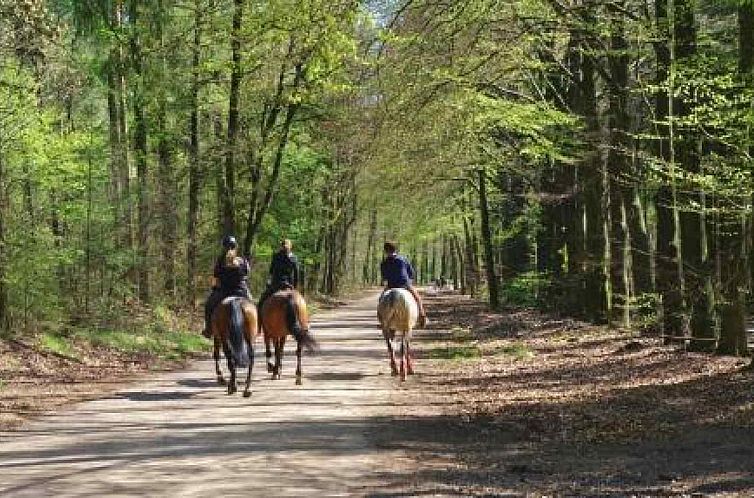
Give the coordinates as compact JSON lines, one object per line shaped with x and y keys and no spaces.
{"x":232,"y":367}
{"x":247,"y":390}
{"x":403,"y":358}
{"x":279,"y":346}
{"x":216,"y":355}
{"x":391,"y":354}
{"x":298,"y":364}
{"x":268,"y":354}
{"x":409,"y":359}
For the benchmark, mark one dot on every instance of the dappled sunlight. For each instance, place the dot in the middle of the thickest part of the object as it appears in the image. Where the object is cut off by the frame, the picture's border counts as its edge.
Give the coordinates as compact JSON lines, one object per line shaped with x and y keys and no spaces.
{"x":598,"y":412}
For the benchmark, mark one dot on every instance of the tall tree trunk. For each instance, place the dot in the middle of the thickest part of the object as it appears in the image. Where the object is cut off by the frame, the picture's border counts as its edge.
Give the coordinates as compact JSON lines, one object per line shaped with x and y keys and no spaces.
{"x":668,"y":267}
{"x":489,"y":263}
{"x":618,"y":124}
{"x":140,"y":146}
{"x":461,"y":265}
{"x":470,"y":269}
{"x":371,"y":241}
{"x":115,"y":191}
{"x":123,"y":148}
{"x":195,"y":178}
{"x":166,"y":174}
{"x":4,"y":311}
{"x":733,"y":248}
{"x":694,"y":250}
{"x":229,"y":185}
{"x":592,"y":194}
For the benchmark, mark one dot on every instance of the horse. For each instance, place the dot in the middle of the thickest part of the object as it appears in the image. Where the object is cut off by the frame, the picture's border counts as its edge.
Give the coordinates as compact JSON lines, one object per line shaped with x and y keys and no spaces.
{"x":234,"y":328}
{"x":283,"y":313}
{"x":398,"y":312}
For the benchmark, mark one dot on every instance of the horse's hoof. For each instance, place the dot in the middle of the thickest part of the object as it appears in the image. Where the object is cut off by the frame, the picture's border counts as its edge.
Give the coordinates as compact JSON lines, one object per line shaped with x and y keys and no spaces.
{"x":247,"y":394}
{"x":393,"y":372}
{"x":299,"y":381}
{"x":221,"y":381}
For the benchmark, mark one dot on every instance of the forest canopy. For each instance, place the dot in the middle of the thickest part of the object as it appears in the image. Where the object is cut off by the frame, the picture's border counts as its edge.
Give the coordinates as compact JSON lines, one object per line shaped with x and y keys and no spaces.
{"x":592,"y":157}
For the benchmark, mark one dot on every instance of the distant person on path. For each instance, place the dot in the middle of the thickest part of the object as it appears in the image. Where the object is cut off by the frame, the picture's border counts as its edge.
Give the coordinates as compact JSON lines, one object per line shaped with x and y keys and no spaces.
{"x":397,"y":273}
{"x":230,"y":278}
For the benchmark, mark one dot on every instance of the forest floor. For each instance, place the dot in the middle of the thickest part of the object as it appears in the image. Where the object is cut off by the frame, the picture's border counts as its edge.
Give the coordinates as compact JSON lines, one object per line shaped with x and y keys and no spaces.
{"x":42,"y":372}
{"x":532,"y":404}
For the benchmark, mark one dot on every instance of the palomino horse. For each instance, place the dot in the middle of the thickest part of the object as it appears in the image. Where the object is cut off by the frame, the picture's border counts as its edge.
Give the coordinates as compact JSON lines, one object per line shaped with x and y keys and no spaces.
{"x":398,"y":312}
{"x":285,"y":313}
{"x":234,"y":328}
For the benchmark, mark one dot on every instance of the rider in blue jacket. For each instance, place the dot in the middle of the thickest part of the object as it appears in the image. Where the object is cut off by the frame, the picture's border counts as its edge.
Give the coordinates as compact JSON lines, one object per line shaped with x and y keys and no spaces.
{"x":397,"y":273}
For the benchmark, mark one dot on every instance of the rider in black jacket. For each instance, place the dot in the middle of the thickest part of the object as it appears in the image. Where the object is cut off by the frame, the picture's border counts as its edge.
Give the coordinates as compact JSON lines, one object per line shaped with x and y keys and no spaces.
{"x":230,"y":279}
{"x":284,"y":272}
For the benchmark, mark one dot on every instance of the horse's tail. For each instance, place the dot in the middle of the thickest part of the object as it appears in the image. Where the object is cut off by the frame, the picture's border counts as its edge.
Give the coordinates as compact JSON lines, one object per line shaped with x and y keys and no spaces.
{"x":237,"y":345}
{"x":302,"y":335}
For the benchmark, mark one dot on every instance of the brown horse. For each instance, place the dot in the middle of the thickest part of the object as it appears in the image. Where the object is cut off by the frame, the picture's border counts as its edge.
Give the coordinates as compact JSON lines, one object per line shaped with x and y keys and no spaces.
{"x":234,"y":328}
{"x":285,"y":313}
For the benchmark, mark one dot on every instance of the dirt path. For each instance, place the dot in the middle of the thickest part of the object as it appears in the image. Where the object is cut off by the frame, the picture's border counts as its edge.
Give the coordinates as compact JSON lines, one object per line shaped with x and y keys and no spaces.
{"x":180,"y":435}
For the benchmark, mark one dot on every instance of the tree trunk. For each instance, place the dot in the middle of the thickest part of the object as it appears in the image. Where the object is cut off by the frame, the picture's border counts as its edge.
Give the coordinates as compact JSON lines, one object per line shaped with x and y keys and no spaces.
{"x":4,"y":312}
{"x":619,"y":299}
{"x":469,"y":257}
{"x":461,"y":262}
{"x":195,"y":178}
{"x":489,"y":263}
{"x":166,"y":175}
{"x":733,"y":250}
{"x":371,"y":241}
{"x":124,"y":159}
{"x":229,"y":185}
{"x":140,"y":146}
{"x":694,"y":251}
{"x":668,"y":267}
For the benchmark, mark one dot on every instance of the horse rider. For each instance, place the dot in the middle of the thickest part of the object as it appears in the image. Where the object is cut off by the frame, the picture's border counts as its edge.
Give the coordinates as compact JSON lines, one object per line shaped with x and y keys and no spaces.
{"x":230,"y":278}
{"x":398,"y":273}
{"x":284,"y":275}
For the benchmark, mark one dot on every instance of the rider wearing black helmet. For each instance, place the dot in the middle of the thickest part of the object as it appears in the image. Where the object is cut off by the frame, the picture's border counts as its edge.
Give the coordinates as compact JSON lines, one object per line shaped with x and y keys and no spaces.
{"x":230,"y":279}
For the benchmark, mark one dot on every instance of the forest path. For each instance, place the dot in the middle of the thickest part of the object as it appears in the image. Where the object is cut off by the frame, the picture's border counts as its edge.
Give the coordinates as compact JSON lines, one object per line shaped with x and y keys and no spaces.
{"x":179,"y":434}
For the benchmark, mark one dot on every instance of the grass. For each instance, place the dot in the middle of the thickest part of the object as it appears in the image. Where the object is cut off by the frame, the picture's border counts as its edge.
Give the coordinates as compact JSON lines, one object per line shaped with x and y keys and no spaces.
{"x":167,"y":344}
{"x":518,"y":350}
{"x":57,"y":343}
{"x":455,"y":352}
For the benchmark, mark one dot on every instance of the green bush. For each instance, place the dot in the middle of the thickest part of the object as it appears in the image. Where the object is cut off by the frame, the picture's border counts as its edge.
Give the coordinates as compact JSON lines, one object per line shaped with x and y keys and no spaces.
{"x":524,"y":289}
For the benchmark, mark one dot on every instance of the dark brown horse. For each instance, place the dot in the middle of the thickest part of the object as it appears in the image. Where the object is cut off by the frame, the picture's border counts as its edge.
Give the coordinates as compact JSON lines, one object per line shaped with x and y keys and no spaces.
{"x":234,"y":328}
{"x":285,"y":313}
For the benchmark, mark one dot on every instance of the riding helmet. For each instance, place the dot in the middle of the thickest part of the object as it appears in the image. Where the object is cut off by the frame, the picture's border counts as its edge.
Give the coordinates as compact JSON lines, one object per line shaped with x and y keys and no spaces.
{"x":229,"y":242}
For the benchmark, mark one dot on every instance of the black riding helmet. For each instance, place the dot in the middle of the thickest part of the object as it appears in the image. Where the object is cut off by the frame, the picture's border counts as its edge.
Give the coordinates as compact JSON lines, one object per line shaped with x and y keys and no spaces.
{"x":229,"y":242}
